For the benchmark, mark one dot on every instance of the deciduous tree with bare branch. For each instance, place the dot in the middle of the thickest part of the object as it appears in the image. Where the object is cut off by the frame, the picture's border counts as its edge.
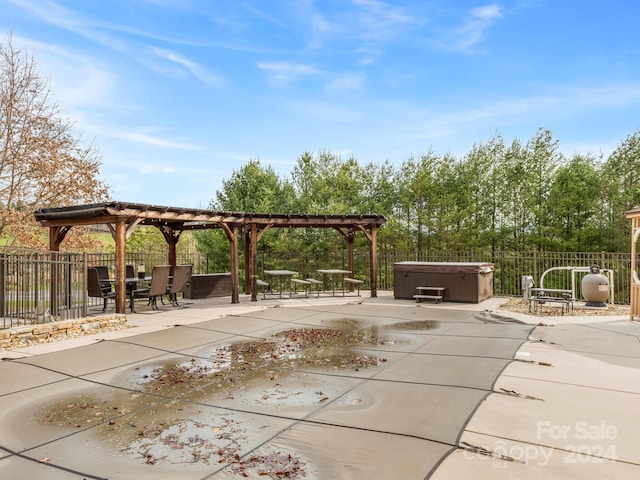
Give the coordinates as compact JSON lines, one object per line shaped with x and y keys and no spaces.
{"x":43,"y":163}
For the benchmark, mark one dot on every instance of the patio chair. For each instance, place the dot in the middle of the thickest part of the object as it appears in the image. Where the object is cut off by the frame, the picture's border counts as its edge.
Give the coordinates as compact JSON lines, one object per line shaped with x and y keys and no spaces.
{"x":103,"y":275}
{"x":94,"y":288}
{"x":181,"y":276}
{"x":157,"y":287}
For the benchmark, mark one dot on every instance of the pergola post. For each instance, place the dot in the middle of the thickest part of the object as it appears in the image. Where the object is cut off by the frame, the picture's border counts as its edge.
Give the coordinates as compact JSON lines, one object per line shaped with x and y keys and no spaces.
{"x":172,"y":237}
{"x":121,"y":268}
{"x":350,"y":237}
{"x":231,"y":230}
{"x":248,"y":285}
{"x":373,"y":261}
{"x":253,"y":261}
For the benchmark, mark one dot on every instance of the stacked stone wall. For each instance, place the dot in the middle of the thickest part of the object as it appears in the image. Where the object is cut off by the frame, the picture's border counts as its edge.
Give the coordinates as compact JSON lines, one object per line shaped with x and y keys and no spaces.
{"x":28,"y":335}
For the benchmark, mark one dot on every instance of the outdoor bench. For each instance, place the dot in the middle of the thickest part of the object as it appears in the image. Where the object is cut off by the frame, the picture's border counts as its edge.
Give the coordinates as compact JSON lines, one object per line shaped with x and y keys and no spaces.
{"x":264,"y":285}
{"x":304,"y":283}
{"x":315,"y":282}
{"x":352,"y":281}
{"x":540,"y":296}
{"x":565,"y":302}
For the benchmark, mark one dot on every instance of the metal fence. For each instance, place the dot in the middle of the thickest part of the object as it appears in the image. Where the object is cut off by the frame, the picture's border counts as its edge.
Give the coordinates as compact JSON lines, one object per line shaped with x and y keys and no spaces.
{"x":511,"y":266}
{"x":37,"y":286}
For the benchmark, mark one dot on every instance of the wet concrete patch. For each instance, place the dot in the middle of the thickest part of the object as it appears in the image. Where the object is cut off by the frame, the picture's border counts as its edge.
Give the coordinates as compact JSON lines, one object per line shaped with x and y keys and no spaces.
{"x":173,"y":440}
{"x":293,"y":402}
{"x":148,"y":419}
{"x":419,"y":325}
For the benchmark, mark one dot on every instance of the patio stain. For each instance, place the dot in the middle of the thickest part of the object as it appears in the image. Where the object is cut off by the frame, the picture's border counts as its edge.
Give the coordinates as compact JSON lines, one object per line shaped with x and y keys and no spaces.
{"x":148,"y":420}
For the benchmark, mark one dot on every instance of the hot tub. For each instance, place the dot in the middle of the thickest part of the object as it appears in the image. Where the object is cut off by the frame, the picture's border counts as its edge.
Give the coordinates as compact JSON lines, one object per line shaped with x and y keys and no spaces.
{"x":465,"y":282}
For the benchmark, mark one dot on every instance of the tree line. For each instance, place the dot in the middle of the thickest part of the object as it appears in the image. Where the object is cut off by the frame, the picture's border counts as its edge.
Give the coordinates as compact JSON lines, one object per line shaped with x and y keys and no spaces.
{"x":515,"y":196}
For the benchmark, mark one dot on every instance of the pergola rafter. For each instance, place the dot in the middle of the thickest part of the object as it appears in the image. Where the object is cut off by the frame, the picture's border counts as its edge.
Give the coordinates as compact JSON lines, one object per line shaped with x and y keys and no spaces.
{"x":122,"y":218}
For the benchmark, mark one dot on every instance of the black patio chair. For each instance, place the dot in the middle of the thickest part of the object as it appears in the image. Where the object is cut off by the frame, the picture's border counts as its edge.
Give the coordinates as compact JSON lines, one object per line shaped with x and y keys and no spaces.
{"x":94,"y":287}
{"x":103,"y":275}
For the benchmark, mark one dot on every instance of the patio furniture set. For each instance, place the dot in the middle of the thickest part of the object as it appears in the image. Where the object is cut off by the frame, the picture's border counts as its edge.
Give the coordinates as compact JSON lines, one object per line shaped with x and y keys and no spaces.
{"x":334,"y":281}
{"x":161,"y":283}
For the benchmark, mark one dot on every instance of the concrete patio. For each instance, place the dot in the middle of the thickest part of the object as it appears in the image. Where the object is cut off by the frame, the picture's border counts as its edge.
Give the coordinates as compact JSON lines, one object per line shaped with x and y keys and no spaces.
{"x":330,"y":387}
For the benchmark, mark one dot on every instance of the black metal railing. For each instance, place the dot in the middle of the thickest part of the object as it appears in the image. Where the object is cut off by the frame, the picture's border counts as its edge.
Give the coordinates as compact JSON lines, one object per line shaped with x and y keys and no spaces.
{"x":40,"y":286}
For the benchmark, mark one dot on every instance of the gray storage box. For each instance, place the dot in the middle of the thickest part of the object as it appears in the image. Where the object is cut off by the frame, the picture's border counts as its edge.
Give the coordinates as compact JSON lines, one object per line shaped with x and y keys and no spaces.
{"x":463,"y":281}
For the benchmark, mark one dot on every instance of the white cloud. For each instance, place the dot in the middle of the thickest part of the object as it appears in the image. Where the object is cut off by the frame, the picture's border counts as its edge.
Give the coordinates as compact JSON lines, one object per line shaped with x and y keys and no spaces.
{"x":379,"y":21}
{"x":320,"y":27}
{"x":487,"y":12}
{"x":155,"y":169}
{"x":77,"y":81}
{"x":346,"y":82}
{"x":193,"y":68}
{"x":326,"y":112}
{"x":262,"y":15}
{"x":140,"y":136}
{"x":473,"y":29}
{"x":156,"y":141}
{"x":282,"y":73}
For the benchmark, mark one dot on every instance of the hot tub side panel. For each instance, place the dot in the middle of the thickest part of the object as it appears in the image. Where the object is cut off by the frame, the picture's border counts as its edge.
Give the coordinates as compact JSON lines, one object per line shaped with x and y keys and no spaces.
{"x":463,"y":282}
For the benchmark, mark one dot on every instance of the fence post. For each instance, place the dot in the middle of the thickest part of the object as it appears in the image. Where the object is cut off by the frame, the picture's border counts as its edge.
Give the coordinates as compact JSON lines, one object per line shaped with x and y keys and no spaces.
{"x":3,"y":284}
{"x":85,"y":296}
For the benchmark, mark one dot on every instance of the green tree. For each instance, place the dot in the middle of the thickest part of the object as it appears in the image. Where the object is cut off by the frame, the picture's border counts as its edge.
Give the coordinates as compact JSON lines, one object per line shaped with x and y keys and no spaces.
{"x":574,"y":201}
{"x":252,"y":188}
{"x":621,"y":191}
{"x":542,"y":160}
{"x":326,"y":184}
{"x":419,"y":200}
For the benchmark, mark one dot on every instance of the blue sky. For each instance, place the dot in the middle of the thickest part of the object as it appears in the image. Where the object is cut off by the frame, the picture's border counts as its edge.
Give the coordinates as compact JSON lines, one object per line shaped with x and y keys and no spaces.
{"x":177,"y":94}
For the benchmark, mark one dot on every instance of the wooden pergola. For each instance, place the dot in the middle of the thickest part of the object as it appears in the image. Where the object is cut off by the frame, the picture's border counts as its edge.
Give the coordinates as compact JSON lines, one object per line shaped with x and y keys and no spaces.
{"x":122,"y":218}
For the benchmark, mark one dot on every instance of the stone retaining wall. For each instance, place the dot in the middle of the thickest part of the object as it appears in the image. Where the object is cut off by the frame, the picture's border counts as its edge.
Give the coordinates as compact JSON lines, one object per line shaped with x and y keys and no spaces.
{"x":28,"y":335}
